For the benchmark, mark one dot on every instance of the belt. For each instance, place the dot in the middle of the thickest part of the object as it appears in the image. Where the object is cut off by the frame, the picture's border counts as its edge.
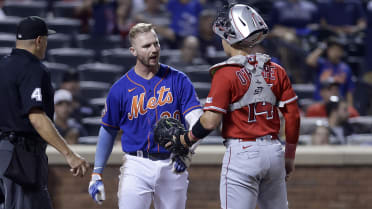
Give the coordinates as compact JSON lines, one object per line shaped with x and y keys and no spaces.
{"x":19,"y":136}
{"x":151,"y":156}
{"x":30,"y":143}
{"x":266,"y":137}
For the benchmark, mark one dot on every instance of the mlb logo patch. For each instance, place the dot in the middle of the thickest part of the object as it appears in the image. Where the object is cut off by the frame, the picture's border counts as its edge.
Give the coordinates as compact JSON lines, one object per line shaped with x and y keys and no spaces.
{"x":209,"y":100}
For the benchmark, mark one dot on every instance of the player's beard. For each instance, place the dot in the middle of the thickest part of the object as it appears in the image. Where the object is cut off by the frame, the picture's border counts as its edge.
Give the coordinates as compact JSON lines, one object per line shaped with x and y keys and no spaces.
{"x":148,"y":62}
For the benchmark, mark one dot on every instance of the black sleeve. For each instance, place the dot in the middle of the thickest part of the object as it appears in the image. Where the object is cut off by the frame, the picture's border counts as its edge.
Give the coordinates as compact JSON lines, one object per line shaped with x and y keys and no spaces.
{"x":30,"y":89}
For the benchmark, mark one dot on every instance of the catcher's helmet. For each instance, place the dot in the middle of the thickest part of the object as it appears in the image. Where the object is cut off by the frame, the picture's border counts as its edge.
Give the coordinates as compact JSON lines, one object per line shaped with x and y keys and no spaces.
{"x":239,"y":23}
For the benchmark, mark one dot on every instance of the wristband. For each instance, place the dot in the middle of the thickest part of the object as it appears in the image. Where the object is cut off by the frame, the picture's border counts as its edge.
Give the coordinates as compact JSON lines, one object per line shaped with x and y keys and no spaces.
{"x":199,"y":131}
{"x":187,"y":139}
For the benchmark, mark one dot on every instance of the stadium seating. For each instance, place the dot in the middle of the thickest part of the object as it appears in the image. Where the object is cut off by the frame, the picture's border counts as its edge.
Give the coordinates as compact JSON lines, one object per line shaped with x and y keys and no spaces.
{"x":99,"y":43}
{"x":59,"y":40}
{"x":71,"y":56}
{"x":98,"y":102}
{"x":218,"y":57}
{"x":56,"y":71}
{"x":92,"y":125}
{"x":25,"y":8}
{"x":198,"y":73}
{"x":202,"y":89}
{"x":66,"y":8}
{"x":101,"y":72}
{"x":118,"y":56}
{"x":9,"y":24}
{"x":64,"y":25}
{"x":304,"y":90}
{"x":94,"y":89}
{"x":7,"y":40}
{"x":165,"y":54}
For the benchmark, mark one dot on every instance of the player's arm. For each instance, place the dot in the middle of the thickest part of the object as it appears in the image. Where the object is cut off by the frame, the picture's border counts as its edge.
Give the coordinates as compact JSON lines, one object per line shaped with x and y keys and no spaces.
{"x":202,"y":128}
{"x":106,"y":139}
{"x":46,"y":129}
{"x":312,"y":58}
{"x":291,"y":115}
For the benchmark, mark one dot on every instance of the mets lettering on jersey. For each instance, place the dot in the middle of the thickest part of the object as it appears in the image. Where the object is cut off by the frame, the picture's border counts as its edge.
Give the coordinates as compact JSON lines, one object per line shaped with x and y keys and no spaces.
{"x":152,"y":103}
{"x":134,"y":104}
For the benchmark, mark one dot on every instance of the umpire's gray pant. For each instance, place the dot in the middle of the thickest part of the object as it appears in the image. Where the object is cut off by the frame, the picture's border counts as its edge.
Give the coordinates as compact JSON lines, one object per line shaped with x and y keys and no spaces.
{"x":14,"y":196}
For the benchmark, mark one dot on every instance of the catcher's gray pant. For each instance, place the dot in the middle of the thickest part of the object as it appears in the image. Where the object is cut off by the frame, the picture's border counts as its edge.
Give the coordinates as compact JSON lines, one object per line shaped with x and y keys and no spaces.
{"x":252,"y":172}
{"x":143,"y":181}
{"x":14,"y":196}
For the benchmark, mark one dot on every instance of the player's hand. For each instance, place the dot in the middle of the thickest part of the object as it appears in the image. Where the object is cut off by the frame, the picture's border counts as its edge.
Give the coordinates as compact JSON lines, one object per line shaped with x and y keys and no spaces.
{"x":78,"y":164}
{"x":289,"y":167}
{"x":96,"y":188}
{"x":180,"y":163}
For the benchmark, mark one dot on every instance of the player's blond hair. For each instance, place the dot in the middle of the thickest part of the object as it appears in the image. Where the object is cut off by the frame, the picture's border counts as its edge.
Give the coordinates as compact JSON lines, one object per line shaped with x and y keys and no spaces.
{"x":140,"y":28}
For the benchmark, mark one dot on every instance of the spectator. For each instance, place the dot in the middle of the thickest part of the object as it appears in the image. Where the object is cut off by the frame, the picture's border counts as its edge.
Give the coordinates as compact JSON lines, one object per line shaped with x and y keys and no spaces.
{"x":332,"y":67}
{"x":124,"y":17}
{"x":340,"y":128}
{"x":67,"y":127}
{"x":210,"y":43}
{"x":184,"y":18}
{"x":81,"y":107}
{"x":327,"y":89}
{"x":368,"y":42}
{"x":155,"y":13}
{"x":2,"y":14}
{"x":321,"y":135}
{"x":189,"y":54}
{"x":342,"y":17}
{"x":292,"y":20}
{"x":104,"y":17}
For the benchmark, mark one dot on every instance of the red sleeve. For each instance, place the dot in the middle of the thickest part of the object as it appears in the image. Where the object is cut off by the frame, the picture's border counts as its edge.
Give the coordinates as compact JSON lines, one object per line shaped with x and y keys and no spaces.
{"x":287,"y":95}
{"x":353,"y":112}
{"x":219,"y":96}
{"x":291,"y":113}
{"x":316,"y":110}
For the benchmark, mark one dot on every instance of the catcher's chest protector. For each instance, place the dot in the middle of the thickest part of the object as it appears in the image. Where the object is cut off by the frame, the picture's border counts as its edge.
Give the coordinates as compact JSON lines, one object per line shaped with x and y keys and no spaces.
{"x":259,"y":90}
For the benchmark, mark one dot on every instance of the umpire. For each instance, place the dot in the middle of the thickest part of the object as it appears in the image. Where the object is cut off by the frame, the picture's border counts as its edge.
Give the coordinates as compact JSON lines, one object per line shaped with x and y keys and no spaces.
{"x":26,"y":126}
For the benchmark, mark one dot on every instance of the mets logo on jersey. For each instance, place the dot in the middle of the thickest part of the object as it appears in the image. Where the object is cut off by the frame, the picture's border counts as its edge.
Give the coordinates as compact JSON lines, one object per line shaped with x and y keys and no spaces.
{"x":138,"y":102}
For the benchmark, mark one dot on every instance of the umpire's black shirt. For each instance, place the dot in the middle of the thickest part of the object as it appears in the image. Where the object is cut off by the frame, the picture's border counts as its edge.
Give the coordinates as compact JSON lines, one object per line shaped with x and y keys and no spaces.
{"x":24,"y":84}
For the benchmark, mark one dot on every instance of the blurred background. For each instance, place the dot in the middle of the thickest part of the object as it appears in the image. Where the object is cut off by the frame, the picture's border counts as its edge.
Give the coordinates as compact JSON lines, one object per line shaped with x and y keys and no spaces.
{"x":324,"y":45}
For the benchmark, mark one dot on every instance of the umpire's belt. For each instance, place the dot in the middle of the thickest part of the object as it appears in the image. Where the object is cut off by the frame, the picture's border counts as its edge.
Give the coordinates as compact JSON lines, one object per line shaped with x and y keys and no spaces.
{"x":32,"y":143}
{"x":151,"y":156}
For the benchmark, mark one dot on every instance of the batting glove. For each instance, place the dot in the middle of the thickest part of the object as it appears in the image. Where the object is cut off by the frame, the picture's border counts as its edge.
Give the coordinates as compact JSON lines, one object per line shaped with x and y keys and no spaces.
{"x":180,"y":164}
{"x":96,"y":188}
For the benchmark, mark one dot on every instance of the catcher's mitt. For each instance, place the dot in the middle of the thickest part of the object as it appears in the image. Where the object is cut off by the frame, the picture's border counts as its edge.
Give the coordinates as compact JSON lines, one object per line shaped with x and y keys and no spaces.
{"x":167,"y":133}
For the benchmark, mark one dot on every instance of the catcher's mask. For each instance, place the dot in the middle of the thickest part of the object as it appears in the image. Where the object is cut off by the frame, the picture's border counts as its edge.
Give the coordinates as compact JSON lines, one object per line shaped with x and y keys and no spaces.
{"x":239,"y":23}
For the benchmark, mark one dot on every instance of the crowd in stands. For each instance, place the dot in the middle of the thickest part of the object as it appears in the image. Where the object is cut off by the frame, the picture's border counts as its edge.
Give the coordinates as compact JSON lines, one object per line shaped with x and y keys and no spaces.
{"x":324,"y":45}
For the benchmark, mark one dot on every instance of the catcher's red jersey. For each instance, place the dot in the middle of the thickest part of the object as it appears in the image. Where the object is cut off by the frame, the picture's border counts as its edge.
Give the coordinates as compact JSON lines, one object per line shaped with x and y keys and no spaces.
{"x":230,"y":83}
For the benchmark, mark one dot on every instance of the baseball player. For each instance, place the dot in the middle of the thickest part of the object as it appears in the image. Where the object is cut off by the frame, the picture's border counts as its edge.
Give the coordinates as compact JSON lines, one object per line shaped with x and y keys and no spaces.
{"x":146,"y":93}
{"x":246,"y":94}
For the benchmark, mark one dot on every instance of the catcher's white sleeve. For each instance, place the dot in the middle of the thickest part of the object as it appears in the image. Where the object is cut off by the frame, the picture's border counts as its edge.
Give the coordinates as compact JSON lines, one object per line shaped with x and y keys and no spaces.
{"x":191,"y":118}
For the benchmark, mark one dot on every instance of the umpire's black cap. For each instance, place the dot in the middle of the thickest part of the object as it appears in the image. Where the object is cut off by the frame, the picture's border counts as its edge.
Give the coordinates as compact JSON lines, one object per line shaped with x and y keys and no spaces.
{"x":32,"y":27}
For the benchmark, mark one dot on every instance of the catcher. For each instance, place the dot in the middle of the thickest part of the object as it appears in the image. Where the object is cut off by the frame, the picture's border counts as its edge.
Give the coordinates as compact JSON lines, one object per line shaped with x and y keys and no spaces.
{"x":247,"y":92}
